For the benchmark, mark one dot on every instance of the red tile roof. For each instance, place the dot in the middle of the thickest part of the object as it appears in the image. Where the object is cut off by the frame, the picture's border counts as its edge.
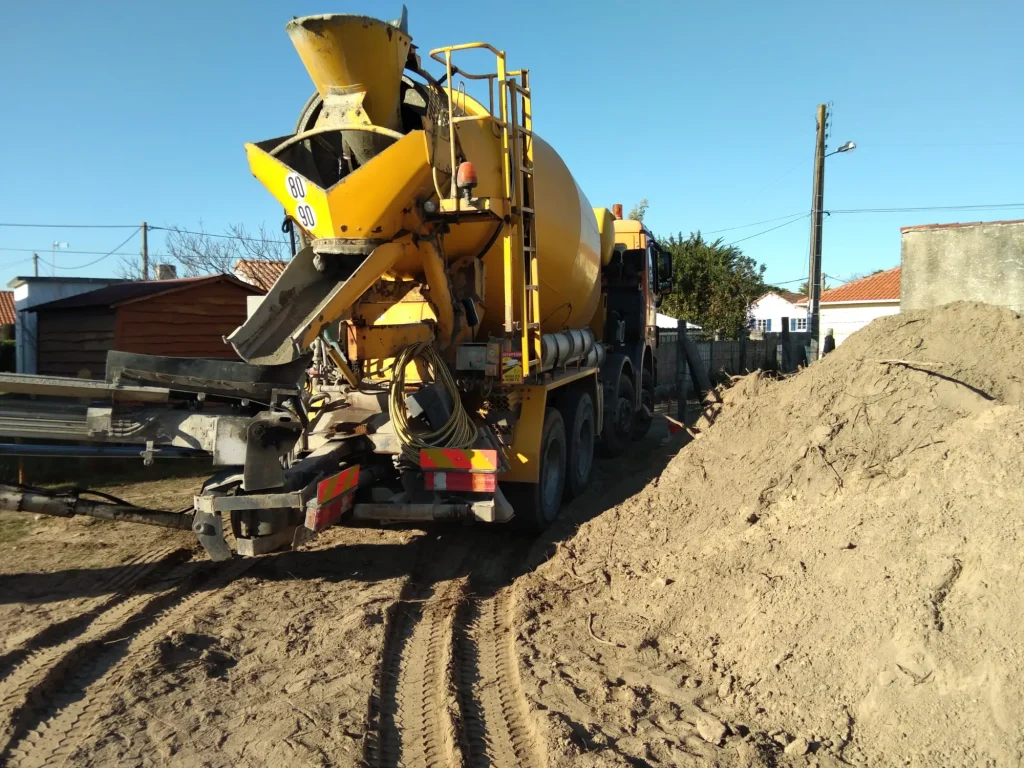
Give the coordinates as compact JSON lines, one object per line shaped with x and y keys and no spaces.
{"x":792,"y":298}
{"x":262,"y":274}
{"x":6,"y":307}
{"x":883,"y":286}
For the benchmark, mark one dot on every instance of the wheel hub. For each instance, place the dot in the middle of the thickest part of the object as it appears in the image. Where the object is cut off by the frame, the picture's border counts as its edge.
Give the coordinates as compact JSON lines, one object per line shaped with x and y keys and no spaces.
{"x":623,"y":415}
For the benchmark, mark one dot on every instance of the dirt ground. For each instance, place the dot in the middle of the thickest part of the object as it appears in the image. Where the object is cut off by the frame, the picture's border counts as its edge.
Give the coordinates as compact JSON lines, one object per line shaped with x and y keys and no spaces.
{"x":371,"y":646}
{"x":835,"y":563}
{"x":827,"y":575}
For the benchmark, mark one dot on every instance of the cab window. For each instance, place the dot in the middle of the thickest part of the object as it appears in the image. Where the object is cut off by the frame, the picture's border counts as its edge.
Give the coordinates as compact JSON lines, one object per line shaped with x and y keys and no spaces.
{"x":652,"y":272}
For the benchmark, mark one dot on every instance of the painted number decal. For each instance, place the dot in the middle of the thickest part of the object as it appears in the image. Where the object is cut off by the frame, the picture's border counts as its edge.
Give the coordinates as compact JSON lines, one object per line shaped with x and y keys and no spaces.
{"x":296,"y":186}
{"x":305,"y":215}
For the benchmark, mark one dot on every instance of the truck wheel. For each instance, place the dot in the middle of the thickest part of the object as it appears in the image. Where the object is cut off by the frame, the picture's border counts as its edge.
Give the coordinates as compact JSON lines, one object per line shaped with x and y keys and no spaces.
{"x":642,"y":424}
{"x":580,"y":425}
{"x":618,"y":419}
{"x":536,"y":505}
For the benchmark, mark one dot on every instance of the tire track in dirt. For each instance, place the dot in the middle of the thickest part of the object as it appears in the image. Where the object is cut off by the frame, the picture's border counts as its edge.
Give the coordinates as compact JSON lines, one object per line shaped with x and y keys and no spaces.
{"x":447,"y":691}
{"x":490,"y":694}
{"x":415,"y":726}
{"x":121,"y":582}
{"x":410,"y":722}
{"x":52,"y":700}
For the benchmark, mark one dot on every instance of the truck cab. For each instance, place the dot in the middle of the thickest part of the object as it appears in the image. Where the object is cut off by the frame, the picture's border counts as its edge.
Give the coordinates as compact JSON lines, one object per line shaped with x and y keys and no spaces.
{"x":633,"y":285}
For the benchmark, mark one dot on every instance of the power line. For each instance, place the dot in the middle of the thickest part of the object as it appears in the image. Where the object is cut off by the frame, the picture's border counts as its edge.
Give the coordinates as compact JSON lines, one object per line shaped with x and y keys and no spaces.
{"x":134,"y":226}
{"x":994,"y":207}
{"x":839,"y":279}
{"x":80,"y":253}
{"x":69,"y":226}
{"x":766,"y":231}
{"x":227,"y":237}
{"x":946,"y":144}
{"x":105,"y":256}
{"x":752,"y":224}
{"x":772,"y":184}
{"x":798,"y":216}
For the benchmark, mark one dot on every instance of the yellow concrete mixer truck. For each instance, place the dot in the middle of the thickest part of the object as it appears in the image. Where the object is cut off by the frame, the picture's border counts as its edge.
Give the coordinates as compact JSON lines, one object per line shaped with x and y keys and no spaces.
{"x":458,"y":334}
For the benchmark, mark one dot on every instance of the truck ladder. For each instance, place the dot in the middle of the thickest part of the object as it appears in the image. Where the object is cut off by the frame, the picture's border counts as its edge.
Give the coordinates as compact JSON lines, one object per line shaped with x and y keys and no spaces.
{"x":519,"y":241}
{"x":525,"y":232}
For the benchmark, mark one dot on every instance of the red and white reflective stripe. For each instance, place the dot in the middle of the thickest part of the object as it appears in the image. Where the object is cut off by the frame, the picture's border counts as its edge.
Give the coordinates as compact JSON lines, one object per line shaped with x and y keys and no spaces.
{"x":320,"y":516}
{"x":460,"y":481}
{"x":334,"y":486}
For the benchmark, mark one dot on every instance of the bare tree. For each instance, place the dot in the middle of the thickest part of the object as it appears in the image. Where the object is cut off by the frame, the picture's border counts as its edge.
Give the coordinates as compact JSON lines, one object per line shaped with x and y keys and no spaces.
{"x":197,"y":252}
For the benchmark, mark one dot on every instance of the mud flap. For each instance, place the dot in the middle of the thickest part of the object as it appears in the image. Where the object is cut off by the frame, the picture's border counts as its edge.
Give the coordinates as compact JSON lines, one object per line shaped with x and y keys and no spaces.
{"x":497,"y":510}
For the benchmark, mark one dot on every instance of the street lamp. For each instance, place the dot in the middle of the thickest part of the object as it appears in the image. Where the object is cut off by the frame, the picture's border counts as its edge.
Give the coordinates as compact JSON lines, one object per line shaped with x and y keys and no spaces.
{"x":53,"y":255}
{"x":847,"y":147}
{"x":814,"y":282}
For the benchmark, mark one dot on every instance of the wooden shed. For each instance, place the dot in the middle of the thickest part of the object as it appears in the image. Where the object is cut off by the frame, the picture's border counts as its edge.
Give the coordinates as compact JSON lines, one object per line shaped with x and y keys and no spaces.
{"x":176,"y":318}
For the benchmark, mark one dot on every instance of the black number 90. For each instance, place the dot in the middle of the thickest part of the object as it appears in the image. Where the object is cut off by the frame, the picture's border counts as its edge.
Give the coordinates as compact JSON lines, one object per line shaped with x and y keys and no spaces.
{"x":306,"y":216}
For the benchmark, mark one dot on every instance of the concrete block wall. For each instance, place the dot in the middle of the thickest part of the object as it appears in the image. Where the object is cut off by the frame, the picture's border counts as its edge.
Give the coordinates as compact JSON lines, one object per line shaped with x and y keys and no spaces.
{"x":943,"y":263}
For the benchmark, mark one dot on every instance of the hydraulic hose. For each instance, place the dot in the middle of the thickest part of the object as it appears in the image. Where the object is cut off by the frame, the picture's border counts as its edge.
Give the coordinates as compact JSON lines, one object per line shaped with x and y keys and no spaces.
{"x":457,"y":432}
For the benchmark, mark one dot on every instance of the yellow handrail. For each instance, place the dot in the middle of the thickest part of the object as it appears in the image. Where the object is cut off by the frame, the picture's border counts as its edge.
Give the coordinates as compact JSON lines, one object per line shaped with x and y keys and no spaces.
{"x":512,"y":134}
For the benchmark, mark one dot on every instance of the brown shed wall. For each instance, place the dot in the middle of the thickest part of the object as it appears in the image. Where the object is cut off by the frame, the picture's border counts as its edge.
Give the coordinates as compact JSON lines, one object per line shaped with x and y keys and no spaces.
{"x":71,"y":340}
{"x":187,"y":323}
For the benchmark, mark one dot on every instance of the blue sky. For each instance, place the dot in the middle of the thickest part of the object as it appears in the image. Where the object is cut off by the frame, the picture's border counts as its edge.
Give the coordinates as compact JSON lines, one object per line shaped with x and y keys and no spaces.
{"x":139,"y":112}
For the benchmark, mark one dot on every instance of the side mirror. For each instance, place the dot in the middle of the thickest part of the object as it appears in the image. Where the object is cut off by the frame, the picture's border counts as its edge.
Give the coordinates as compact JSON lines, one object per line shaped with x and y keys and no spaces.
{"x":666,"y":287}
{"x":665,"y":267}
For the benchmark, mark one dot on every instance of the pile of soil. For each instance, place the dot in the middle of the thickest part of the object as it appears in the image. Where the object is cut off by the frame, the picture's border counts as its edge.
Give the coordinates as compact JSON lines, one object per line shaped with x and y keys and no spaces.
{"x":830,"y":573}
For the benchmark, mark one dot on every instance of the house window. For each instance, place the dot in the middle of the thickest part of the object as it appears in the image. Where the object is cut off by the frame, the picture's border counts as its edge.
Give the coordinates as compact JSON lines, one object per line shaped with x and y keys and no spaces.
{"x":763,"y":325}
{"x":798,"y":323}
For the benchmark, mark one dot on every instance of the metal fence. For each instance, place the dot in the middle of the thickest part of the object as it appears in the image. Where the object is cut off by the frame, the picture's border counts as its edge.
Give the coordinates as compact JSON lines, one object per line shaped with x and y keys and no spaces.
{"x":720,"y":359}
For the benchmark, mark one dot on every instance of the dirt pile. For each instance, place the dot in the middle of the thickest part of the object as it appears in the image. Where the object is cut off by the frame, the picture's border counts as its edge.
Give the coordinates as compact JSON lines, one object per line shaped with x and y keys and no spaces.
{"x":831,"y":573}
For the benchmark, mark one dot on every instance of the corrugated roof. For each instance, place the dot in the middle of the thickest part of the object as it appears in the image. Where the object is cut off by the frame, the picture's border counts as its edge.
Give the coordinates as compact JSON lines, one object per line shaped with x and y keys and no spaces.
{"x":262,"y":274}
{"x":7,"y":308}
{"x":123,"y":293}
{"x":917,"y":227}
{"x":884,"y":286}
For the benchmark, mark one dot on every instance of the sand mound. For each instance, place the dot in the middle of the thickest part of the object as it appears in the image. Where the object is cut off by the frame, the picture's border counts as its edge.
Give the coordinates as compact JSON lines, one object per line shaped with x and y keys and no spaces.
{"x":833,"y":569}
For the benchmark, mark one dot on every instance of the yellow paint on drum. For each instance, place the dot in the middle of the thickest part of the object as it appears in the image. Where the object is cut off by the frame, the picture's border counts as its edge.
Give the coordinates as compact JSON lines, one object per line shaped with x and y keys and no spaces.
{"x":569,"y":245}
{"x":569,"y":256}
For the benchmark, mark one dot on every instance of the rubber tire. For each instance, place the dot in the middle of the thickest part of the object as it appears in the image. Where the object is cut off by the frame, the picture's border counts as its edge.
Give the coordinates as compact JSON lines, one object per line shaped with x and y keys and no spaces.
{"x":613,"y":443}
{"x":642,"y":425}
{"x":577,"y":410}
{"x":527,"y":499}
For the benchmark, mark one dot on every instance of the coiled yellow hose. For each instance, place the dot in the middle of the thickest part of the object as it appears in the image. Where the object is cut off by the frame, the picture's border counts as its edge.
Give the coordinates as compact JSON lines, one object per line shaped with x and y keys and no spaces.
{"x":458,"y":431}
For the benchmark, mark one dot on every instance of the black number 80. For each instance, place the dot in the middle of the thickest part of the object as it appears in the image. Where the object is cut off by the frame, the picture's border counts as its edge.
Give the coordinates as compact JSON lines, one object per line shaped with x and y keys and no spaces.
{"x":295,"y":187}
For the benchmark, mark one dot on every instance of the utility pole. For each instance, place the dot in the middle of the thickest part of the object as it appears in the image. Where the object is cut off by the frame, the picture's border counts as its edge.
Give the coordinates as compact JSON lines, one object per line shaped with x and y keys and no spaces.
{"x":35,"y":264}
{"x":145,"y":253}
{"x":817,"y":213}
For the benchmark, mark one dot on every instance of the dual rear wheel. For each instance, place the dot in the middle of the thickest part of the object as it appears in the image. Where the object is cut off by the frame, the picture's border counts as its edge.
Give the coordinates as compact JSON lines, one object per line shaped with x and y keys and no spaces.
{"x":567,"y":449}
{"x":566,"y":461}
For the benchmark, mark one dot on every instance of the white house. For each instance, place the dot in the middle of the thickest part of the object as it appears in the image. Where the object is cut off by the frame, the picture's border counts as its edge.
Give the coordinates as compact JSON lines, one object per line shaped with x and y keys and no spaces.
{"x":767,"y":312}
{"x":850,"y":307}
{"x":665,"y":321}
